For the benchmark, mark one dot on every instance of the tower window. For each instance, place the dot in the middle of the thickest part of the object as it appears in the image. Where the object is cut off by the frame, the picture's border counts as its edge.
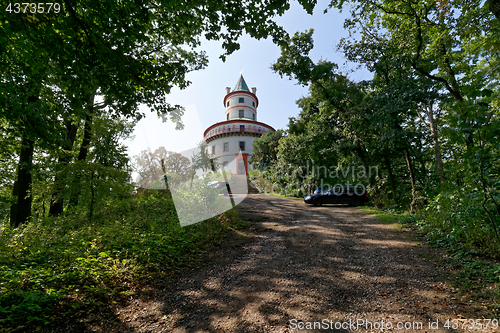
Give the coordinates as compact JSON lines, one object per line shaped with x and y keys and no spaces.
{"x":253,"y":116}
{"x":242,"y":100}
{"x":253,"y":103}
{"x":213,"y":150}
{"x":242,"y":128}
{"x":227,"y":117}
{"x":227,"y":103}
{"x":241,"y":114}
{"x":226,"y":146}
{"x":242,"y":145}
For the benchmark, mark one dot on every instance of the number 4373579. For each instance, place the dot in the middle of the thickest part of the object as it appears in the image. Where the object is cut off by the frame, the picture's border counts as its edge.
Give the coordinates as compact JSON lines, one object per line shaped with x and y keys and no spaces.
{"x":33,"y":8}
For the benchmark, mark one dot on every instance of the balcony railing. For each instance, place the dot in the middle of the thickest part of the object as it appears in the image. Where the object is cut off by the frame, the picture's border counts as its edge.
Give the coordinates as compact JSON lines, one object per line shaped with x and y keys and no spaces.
{"x":235,"y":130}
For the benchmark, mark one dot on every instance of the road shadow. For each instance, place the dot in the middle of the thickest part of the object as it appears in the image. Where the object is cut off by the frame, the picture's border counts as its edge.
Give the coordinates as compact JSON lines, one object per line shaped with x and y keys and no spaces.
{"x":328,"y":266}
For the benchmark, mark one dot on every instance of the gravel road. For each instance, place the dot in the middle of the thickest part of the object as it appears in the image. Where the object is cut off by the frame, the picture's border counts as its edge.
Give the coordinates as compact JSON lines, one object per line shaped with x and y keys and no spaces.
{"x":298,"y":266}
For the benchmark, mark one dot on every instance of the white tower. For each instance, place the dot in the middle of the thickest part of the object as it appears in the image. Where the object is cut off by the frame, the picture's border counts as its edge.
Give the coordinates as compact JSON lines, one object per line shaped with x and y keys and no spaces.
{"x":235,"y":135}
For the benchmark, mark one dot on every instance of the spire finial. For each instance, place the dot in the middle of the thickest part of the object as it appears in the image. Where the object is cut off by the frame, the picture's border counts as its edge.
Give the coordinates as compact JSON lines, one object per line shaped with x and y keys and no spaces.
{"x":241,"y":72}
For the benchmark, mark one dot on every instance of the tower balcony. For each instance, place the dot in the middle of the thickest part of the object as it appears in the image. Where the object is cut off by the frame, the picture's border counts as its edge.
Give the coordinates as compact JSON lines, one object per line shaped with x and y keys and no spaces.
{"x":223,"y":132}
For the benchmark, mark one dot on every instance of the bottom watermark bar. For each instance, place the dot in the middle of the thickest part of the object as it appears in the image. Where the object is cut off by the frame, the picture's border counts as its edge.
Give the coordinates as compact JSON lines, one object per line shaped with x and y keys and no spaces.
{"x":358,"y":324}
{"x":362,"y":324}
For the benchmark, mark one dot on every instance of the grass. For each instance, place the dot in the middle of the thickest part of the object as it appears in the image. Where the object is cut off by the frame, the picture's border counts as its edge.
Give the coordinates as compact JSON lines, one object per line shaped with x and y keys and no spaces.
{"x":283,"y":196}
{"x":387,"y":217}
{"x":66,"y":267}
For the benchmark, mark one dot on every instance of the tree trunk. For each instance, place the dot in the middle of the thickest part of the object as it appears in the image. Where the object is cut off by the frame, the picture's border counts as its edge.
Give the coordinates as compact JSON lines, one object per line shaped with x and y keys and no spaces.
{"x":92,"y":196}
{"x":391,"y":177}
{"x":435,"y":141}
{"x":87,"y":136}
{"x":24,"y":198}
{"x":57,"y":202}
{"x":412,"y":179}
{"x":84,"y":150}
{"x":13,"y":207}
{"x":429,"y":111}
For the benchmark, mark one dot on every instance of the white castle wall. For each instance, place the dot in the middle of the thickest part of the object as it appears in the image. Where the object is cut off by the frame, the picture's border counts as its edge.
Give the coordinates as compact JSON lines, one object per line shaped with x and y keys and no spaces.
{"x":234,"y":149}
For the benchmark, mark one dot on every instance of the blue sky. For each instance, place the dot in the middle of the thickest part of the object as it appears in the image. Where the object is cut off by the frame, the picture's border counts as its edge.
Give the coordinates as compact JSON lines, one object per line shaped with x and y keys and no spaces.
{"x":203,"y":99}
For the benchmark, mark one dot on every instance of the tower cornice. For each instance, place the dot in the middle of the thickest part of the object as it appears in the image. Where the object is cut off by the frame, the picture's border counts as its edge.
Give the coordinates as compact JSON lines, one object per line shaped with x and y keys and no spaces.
{"x":241,"y":93}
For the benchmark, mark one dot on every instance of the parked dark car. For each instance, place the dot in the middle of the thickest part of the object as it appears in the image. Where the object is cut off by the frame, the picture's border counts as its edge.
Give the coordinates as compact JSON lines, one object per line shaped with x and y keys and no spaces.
{"x":351,"y":195}
{"x":223,"y":186}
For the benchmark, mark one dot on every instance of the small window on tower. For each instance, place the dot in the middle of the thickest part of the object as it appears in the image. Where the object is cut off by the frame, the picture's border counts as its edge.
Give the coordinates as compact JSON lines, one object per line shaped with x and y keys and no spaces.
{"x":241,"y":113}
{"x":242,"y":145}
{"x":253,"y":103}
{"x":242,"y":128}
{"x":242,"y":100}
{"x":226,"y":146}
{"x":227,"y":103}
{"x":227,"y":117}
{"x":213,"y":150}
{"x":253,"y":115}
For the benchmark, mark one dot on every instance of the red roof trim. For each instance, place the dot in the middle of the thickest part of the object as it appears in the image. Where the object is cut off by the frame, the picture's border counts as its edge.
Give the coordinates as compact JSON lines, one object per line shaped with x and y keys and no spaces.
{"x":222,"y":123}
{"x":249,"y":94}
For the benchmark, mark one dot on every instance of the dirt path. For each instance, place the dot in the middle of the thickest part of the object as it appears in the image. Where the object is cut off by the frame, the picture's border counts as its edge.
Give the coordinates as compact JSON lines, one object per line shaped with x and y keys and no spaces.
{"x":333,"y":265}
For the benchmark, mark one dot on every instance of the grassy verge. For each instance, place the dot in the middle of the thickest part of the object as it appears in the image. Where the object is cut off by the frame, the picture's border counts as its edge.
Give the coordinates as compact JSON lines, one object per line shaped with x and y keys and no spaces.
{"x":476,"y":276}
{"x":283,"y":196}
{"x":67,"y":267}
{"x":387,"y":217}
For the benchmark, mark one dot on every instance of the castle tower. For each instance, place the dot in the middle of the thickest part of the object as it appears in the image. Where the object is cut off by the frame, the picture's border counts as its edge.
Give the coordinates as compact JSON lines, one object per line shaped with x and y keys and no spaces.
{"x":235,"y":135}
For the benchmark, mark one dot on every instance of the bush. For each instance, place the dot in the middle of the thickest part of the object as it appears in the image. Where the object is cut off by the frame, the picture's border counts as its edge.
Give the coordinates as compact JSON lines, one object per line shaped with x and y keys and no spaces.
{"x":458,"y":217}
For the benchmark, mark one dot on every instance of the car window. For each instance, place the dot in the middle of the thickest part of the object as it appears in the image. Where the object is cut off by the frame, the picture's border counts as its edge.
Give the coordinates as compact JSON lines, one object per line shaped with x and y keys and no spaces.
{"x":338,"y":190}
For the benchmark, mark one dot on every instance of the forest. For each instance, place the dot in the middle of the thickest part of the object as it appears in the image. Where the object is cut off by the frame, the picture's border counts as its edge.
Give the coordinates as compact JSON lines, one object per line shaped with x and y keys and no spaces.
{"x":71,"y":81}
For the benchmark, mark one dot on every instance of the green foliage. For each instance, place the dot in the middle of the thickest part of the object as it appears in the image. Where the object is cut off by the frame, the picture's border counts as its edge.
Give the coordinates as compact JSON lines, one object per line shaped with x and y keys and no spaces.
{"x":265,"y":149}
{"x":457,"y":217}
{"x":261,"y":179}
{"x":198,"y":200}
{"x":70,"y":265}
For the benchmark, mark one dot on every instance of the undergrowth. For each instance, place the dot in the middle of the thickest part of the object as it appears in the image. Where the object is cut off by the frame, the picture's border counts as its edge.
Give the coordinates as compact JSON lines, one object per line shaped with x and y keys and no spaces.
{"x":477,"y":267}
{"x":67,"y":266}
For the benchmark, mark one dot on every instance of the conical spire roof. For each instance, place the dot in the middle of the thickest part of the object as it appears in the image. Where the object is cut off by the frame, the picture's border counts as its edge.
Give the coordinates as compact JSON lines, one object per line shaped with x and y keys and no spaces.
{"x":241,"y":85}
